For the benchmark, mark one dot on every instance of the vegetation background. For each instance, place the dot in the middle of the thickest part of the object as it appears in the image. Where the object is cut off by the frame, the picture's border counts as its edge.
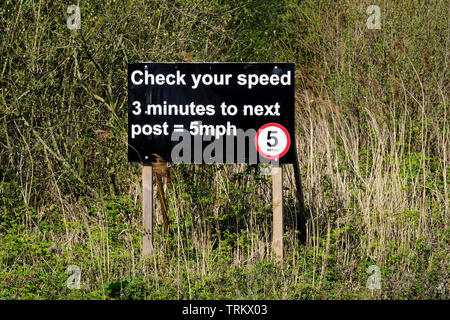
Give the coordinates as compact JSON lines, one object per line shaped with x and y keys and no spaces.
{"x":372,"y":139}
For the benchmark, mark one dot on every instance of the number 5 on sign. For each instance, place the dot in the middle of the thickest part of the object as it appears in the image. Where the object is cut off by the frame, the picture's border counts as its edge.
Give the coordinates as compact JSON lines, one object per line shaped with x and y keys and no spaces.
{"x":272,"y":140}
{"x":270,"y":137}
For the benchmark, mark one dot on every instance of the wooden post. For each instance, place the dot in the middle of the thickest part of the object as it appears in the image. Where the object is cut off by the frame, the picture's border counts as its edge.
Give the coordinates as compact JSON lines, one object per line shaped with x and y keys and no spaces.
{"x":147,"y":205}
{"x":277,"y":228}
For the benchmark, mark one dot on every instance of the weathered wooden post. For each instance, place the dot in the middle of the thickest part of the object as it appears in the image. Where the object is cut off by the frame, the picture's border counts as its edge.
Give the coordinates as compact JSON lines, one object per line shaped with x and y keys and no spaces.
{"x":147,"y":205}
{"x":277,"y":228}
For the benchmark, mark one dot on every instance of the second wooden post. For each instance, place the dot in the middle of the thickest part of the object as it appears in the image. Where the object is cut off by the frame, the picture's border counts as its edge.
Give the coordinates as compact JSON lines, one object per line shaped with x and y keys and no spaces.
{"x":147,"y":205}
{"x":277,"y":228}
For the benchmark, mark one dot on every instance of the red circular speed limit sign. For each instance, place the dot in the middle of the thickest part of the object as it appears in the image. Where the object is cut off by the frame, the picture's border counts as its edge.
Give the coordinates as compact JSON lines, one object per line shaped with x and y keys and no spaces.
{"x":272,"y":140}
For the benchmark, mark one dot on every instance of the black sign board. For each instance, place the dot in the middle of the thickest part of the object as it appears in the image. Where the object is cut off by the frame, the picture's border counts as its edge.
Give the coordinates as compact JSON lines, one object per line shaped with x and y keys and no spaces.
{"x":211,"y":112}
